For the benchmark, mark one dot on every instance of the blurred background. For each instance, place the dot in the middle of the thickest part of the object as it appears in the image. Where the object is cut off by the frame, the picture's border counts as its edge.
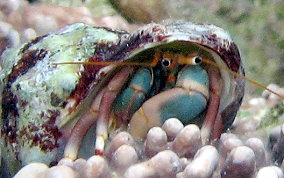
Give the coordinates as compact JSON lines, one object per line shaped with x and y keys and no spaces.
{"x":257,"y":26}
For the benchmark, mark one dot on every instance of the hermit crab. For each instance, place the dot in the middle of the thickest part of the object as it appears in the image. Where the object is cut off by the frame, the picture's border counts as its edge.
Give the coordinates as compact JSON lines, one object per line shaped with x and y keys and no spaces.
{"x":60,"y":88}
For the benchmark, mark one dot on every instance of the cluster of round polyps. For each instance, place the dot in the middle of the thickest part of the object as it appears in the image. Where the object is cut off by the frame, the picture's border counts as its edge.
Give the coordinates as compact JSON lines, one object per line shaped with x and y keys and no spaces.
{"x":172,"y":150}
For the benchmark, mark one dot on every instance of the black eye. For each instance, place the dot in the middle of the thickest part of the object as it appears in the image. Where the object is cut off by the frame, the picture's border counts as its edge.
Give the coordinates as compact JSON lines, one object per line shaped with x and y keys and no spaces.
{"x":166,"y":62}
{"x":197,"y":60}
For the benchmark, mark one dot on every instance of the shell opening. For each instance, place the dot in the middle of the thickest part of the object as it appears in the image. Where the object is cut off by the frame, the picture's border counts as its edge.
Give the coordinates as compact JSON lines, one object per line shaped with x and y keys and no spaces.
{"x":193,"y":49}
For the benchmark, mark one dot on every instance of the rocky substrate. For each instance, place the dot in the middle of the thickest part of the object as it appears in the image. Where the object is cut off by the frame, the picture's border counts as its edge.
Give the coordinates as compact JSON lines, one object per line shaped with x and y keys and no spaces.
{"x":170,"y":151}
{"x":249,"y":149}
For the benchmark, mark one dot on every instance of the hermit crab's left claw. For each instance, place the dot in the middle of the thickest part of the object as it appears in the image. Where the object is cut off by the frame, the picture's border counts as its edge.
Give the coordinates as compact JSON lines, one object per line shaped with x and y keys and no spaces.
{"x":186,"y":102}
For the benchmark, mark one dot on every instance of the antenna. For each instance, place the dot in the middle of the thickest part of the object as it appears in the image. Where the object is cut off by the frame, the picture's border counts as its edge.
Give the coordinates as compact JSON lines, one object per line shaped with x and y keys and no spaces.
{"x":105,"y":63}
{"x":242,"y":77}
{"x":182,"y":60}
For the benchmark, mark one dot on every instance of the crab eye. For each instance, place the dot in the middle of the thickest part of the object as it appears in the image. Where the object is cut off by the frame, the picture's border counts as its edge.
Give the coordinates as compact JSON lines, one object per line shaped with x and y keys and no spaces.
{"x":197,"y":60}
{"x":166,"y":62}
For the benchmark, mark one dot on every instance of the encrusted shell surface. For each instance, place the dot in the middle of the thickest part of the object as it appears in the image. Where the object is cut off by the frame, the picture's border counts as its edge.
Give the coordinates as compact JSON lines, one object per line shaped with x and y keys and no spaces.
{"x":35,"y":91}
{"x":39,"y":98}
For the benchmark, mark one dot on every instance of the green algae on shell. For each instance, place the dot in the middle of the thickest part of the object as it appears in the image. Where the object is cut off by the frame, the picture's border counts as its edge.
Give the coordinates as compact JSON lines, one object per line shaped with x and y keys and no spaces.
{"x":34,"y":91}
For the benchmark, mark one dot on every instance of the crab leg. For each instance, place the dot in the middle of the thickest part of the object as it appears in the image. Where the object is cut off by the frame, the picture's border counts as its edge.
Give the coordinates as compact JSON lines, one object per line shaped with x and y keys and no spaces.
{"x":99,"y":110}
{"x":81,"y":128}
{"x":211,"y":119}
{"x":112,"y":90}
